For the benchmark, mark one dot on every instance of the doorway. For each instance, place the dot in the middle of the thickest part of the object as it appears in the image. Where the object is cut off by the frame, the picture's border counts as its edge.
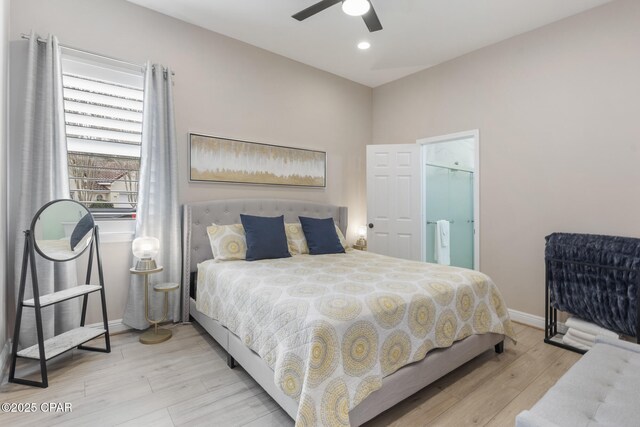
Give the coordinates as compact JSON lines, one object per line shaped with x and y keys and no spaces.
{"x":450,"y":192}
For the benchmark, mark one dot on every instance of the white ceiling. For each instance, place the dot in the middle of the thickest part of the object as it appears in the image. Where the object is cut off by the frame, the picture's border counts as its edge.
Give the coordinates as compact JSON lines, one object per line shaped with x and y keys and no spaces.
{"x":417,"y":34}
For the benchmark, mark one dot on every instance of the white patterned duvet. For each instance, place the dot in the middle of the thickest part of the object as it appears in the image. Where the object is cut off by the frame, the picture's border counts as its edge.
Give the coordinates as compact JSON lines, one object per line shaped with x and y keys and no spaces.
{"x":332,"y":326}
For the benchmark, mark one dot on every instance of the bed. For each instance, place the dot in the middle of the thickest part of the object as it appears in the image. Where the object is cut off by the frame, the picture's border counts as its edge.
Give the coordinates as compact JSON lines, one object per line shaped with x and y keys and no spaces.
{"x":354,"y":391}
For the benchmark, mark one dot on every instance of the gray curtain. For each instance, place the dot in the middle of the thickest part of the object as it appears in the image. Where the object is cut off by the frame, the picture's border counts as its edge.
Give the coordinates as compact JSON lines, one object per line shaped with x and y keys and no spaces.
{"x":44,"y":177}
{"x":158,"y":213}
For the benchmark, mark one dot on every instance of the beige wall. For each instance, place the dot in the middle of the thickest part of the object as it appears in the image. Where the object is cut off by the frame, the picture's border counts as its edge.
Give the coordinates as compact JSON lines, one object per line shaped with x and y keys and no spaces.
{"x":558,"y":111}
{"x":226,"y":88}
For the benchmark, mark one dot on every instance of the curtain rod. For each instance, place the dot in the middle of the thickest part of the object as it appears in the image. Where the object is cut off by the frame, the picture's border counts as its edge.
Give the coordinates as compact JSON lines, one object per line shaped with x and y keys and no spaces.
{"x":42,"y":40}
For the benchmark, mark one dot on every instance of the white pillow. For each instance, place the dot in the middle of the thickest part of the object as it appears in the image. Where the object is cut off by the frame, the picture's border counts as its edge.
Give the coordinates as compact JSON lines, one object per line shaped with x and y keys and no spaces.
{"x":228,"y":242}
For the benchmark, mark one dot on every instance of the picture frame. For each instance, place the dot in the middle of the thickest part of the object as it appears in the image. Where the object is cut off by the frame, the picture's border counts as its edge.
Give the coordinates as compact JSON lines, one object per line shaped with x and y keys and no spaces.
{"x":224,"y":160}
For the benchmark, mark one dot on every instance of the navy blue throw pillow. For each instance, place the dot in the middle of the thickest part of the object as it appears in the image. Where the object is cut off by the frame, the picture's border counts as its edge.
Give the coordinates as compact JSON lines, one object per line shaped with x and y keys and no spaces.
{"x":81,"y":229}
{"x":321,"y":236}
{"x":266,"y":238}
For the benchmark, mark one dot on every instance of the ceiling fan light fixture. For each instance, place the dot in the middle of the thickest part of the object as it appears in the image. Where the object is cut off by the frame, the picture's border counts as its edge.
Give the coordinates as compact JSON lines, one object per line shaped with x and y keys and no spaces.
{"x":356,"y":7}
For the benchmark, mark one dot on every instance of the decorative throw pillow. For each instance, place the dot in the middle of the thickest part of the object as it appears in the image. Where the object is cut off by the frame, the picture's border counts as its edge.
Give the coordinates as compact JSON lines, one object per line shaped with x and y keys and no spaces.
{"x":228,"y":242}
{"x":82,"y":228}
{"x":295,"y":239}
{"x":343,"y":241}
{"x":322,"y":237}
{"x":298,"y":243}
{"x":266,"y":237}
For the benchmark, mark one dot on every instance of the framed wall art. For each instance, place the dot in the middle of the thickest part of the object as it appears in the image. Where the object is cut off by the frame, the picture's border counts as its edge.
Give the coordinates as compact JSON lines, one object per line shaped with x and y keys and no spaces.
{"x":215,"y":159}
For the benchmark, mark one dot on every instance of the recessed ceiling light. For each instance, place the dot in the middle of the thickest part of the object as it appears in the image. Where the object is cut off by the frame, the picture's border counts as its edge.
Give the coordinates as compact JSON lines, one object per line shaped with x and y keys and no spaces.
{"x":364,"y":45}
{"x":356,"y":7}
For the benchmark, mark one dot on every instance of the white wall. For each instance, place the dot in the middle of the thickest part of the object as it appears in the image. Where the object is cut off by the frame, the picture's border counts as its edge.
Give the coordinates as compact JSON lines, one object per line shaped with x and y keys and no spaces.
{"x":558,"y":111}
{"x":116,"y":258}
{"x":458,"y":153}
{"x":222,"y":87}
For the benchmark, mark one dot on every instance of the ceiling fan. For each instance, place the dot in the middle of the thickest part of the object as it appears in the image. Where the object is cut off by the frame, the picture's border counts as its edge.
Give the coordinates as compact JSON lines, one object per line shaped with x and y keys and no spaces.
{"x":362,"y":8}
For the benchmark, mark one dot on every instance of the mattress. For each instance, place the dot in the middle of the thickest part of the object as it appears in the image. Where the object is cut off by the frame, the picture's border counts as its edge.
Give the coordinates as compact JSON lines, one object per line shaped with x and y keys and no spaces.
{"x":333,"y":326}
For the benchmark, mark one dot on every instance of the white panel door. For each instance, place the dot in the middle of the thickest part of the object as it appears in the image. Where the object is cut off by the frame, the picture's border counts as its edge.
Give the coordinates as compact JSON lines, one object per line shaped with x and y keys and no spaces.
{"x":394,"y":200}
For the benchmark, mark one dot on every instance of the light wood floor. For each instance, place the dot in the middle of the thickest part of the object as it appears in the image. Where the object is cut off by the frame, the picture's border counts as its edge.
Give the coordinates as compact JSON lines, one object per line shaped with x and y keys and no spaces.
{"x":185,"y":381}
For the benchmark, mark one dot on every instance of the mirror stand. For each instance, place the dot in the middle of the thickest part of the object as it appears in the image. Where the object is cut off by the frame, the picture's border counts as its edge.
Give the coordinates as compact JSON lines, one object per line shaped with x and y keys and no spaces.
{"x":45,"y":350}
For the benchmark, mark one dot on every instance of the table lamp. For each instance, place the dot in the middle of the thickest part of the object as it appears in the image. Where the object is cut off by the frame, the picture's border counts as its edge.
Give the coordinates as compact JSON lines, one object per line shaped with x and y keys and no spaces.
{"x":361,"y":243}
{"x":145,"y":249}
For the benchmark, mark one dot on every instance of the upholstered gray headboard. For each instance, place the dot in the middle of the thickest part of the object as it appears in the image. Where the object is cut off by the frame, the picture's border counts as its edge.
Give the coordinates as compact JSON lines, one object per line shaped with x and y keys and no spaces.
{"x":198,"y":216}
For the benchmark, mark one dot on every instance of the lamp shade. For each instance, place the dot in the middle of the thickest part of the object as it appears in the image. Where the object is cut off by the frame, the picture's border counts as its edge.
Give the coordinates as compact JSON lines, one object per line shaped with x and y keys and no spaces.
{"x":362,"y":231}
{"x":355,"y":7}
{"x":145,"y":247}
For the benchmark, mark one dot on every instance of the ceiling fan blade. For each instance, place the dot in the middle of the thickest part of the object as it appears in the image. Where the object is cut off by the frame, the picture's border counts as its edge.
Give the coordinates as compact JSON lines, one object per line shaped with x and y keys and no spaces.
{"x":312,"y":10}
{"x":371,"y":19}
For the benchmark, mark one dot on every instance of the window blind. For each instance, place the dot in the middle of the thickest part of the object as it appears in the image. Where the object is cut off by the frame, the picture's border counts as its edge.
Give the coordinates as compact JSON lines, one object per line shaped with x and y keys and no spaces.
{"x":103,"y":116}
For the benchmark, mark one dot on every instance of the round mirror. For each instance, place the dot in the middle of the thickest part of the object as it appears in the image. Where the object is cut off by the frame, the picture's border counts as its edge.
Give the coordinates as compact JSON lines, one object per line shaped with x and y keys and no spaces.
{"x":62,"y":230}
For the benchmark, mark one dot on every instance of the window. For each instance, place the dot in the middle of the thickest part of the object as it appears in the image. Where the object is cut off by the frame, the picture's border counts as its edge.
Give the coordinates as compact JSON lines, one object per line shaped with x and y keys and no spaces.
{"x":103,"y":115}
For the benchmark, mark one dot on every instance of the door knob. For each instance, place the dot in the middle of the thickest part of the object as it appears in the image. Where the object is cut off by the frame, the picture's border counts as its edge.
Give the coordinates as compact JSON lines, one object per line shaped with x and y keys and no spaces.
{"x":370,"y":225}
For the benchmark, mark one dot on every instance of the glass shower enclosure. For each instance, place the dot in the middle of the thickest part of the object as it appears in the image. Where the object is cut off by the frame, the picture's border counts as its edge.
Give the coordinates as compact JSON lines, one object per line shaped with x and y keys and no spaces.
{"x":449,"y":196}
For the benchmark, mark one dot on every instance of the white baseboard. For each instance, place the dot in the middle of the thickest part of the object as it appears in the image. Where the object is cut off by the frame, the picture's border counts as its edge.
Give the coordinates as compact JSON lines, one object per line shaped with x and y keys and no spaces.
{"x":4,"y":361}
{"x":115,"y":326}
{"x":527,"y":319}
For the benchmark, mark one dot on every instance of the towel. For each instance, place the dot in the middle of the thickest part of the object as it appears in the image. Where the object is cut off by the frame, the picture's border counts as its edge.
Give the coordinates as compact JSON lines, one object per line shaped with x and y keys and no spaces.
{"x":574,"y":338}
{"x":589,"y":328}
{"x":584,"y":336}
{"x":570,"y":341}
{"x":442,"y":251}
